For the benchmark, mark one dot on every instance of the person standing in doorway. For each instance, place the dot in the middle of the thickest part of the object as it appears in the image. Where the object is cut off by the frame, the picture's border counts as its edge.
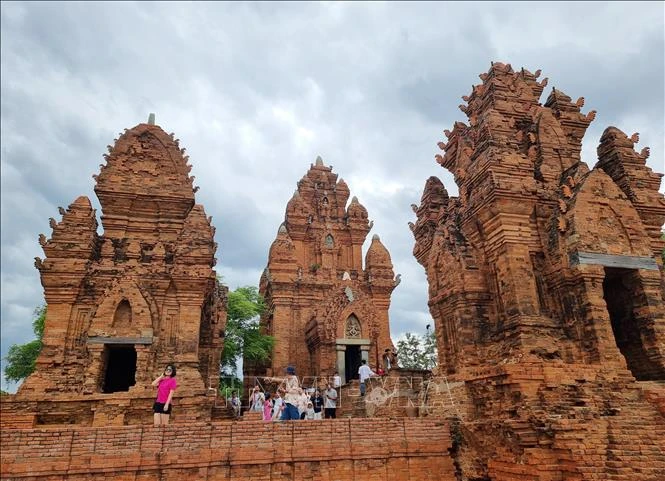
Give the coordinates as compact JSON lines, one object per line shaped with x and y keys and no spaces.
{"x":166,"y":386}
{"x":364,"y":372}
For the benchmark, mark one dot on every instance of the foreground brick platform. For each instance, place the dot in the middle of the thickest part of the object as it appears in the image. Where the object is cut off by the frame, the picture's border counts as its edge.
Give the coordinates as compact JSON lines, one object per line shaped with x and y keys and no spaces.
{"x":342,"y":449}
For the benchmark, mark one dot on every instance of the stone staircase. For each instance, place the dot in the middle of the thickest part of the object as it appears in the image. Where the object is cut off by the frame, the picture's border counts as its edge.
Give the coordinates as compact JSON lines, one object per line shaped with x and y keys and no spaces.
{"x":394,"y":395}
{"x":636,"y":448}
{"x":613,"y":434}
{"x":350,"y":404}
{"x":222,"y":413}
{"x":251,"y":416}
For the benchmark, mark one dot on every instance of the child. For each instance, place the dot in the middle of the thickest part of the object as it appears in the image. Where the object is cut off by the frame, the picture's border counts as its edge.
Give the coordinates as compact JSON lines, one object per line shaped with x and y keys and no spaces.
{"x":267,"y":408}
{"x":278,"y":406}
{"x":235,"y":404}
{"x":309,"y":412}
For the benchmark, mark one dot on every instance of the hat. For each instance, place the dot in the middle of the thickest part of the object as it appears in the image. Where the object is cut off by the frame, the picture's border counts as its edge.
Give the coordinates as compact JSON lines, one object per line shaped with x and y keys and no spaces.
{"x":290,"y":370}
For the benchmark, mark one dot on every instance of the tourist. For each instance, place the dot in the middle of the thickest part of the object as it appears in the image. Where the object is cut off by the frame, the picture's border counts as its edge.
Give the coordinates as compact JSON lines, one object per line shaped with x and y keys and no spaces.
{"x":267,"y":408}
{"x":317,"y":403}
{"x":292,"y":394}
{"x":235,"y":404}
{"x":330,"y":406}
{"x":256,"y":400}
{"x":387,"y":359}
{"x":278,"y":406}
{"x":309,"y":411}
{"x":364,"y":372}
{"x":337,"y":381}
{"x":166,"y":386}
{"x":393,"y":359}
{"x":303,"y":399}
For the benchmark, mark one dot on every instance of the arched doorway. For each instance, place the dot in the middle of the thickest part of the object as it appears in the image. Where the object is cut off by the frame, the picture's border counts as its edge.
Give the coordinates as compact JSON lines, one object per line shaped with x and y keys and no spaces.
{"x":626,"y":302}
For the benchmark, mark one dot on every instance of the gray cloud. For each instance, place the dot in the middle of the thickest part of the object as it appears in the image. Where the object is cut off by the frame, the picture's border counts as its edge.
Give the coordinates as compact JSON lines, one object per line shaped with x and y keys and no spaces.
{"x":256,"y":90}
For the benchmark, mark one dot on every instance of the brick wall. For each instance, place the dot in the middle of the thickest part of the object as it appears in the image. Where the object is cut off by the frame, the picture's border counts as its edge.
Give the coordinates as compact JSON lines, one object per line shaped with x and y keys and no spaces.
{"x":329,"y":450}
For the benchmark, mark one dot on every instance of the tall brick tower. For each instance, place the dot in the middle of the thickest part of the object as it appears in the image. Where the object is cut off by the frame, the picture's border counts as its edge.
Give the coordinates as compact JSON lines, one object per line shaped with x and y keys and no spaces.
{"x":123,"y":304}
{"x":325,"y":311}
{"x":546,"y":287}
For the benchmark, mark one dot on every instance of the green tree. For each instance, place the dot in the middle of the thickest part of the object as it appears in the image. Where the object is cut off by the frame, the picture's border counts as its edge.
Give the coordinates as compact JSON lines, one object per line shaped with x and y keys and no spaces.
{"x":243,"y":337}
{"x":21,"y":358}
{"x":417,"y":352}
{"x":430,"y":352}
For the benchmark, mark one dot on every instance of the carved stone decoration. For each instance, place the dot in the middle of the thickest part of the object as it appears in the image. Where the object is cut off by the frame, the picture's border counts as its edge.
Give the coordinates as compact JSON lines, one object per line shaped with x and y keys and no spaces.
{"x":544,"y":286}
{"x":317,"y":278}
{"x":124,"y":304}
{"x":352,"y":329}
{"x":349,"y":293}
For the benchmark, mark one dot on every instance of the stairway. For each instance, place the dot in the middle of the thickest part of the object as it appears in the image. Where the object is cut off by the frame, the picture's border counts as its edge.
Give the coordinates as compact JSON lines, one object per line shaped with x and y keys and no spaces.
{"x":222,"y":413}
{"x":636,"y":448}
{"x":349,"y":403}
{"x":610,"y":431}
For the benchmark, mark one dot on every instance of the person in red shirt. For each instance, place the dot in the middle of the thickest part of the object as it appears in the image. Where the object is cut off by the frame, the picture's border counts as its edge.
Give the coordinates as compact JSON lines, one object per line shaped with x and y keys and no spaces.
{"x":166,"y":386}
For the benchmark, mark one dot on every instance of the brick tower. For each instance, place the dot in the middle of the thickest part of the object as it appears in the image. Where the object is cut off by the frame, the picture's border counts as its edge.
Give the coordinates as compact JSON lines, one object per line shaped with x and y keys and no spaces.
{"x":123,"y":304}
{"x":546,"y":287}
{"x":325,"y":311}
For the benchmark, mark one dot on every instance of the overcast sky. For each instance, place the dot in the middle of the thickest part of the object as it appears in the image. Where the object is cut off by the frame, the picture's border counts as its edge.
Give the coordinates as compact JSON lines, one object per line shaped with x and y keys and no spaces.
{"x":255,"y":91}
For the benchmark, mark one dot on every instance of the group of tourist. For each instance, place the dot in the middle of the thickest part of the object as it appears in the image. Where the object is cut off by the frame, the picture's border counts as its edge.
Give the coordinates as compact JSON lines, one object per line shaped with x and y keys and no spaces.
{"x":288,"y":402}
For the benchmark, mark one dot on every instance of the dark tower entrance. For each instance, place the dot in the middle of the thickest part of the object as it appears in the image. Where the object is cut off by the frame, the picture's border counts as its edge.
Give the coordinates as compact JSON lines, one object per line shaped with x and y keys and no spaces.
{"x":624,"y":296}
{"x":352,"y":362}
{"x":120,"y":368}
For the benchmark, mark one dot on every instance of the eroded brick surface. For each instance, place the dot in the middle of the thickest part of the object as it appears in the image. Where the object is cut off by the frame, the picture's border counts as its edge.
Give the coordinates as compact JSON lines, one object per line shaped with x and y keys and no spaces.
{"x":546,"y":289}
{"x":345,"y":450}
{"x":321,"y":303}
{"x":123,"y":304}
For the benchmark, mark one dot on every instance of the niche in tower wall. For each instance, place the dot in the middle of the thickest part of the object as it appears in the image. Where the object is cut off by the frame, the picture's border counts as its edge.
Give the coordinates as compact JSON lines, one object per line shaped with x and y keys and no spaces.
{"x":120,"y":367}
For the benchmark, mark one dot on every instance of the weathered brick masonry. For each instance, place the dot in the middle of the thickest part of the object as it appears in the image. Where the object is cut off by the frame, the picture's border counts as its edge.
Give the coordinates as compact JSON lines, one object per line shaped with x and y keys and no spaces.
{"x":342,"y":449}
{"x":324,"y":309}
{"x":546,"y":287}
{"x":124,"y":303}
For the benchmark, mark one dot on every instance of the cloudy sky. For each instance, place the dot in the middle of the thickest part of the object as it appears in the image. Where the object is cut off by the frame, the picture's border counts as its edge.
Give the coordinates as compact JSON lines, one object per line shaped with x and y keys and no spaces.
{"x":255,"y":91}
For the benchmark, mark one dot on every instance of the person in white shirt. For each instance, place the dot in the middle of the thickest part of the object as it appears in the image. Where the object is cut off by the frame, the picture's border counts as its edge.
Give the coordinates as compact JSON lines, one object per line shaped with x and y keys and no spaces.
{"x":364,"y":372}
{"x":256,"y":400}
{"x":330,"y":406}
{"x":337,"y":381}
{"x":293,"y":392}
{"x":278,"y":406}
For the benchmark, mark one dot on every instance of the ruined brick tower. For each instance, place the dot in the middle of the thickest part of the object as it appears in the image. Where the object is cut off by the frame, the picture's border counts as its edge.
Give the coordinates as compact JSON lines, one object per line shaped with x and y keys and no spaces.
{"x":123,"y":304}
{"x":325,"y":311}
{"x":546,"y":287}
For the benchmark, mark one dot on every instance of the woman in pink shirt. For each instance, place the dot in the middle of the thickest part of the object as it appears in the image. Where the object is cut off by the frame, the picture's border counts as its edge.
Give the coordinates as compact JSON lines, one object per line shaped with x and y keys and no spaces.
{"x":166,"y":385}
{"x":267,"y":408}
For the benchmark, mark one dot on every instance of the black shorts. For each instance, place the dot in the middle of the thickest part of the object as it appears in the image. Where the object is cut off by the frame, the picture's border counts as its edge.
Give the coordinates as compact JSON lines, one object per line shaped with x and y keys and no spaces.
{"x":330,"y":413}
{"x":158,"y":408}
